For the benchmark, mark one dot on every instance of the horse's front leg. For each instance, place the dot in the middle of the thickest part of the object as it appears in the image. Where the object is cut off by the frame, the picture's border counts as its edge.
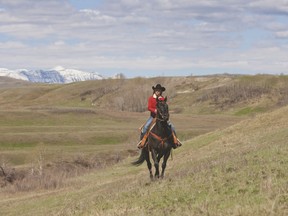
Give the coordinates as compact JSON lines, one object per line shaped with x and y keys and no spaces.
{"x":149,"y":165}
{"x":166,"y":156}
{"x":156,"y":163}
{"x":160,"y":155}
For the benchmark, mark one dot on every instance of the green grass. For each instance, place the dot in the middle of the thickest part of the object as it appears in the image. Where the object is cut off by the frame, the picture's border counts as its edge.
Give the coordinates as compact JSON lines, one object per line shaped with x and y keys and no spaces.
{"x":250,"y":110}
{"x":16,"y":145}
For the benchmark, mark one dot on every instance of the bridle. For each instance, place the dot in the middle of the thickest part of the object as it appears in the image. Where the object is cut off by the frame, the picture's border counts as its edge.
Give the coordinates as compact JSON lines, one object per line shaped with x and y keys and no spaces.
{"x":164,"y":117}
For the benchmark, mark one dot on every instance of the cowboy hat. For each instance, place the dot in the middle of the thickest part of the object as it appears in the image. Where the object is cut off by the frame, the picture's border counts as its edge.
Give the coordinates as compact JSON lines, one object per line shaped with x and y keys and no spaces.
{"x":158,"y":87}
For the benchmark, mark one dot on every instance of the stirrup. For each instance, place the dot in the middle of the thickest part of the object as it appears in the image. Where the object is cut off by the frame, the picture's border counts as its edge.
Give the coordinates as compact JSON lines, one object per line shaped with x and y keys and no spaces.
{"x":139,"y":145}
{"x":176,"y":145}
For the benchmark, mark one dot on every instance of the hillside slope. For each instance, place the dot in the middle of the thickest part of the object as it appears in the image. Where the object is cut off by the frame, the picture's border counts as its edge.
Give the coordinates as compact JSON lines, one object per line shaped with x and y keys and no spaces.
{"x":6,"y":83}
{"x":241,"y":170}
{"x":239,"y":95}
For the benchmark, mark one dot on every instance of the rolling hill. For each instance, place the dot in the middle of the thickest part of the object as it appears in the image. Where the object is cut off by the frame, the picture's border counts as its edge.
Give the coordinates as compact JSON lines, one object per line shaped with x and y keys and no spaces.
{"x":67,"y":149}
{"x":199,"y":95}
{"x":238,"y":170}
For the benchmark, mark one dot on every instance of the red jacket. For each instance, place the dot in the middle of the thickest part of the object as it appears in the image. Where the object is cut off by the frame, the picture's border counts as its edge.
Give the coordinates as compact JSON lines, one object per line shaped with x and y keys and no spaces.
{"x":152,"y":105}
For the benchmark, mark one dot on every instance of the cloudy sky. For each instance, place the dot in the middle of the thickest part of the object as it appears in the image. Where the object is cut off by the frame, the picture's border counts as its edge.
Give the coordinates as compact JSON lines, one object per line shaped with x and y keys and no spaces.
{"x":146,"y":37}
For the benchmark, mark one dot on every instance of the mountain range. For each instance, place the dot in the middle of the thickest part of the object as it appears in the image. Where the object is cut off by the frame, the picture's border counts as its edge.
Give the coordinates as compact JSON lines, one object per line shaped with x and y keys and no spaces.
{"x":58,"y":74}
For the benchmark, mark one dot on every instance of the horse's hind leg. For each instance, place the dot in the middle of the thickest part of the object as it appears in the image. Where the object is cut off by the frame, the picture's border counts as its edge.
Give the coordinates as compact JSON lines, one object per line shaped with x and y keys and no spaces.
{"x":166,"y":156}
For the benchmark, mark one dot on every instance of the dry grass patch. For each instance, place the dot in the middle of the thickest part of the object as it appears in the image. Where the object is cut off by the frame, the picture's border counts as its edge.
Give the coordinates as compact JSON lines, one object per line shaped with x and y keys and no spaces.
{"x":41,"y":174}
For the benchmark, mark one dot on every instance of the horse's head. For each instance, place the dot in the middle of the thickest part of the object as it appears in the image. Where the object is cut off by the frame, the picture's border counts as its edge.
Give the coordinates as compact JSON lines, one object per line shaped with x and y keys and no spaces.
{"x":162,"y":109}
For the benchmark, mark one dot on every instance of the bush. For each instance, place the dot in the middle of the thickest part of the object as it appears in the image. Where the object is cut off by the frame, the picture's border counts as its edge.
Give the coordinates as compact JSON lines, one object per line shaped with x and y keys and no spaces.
{"x":231,"y":94}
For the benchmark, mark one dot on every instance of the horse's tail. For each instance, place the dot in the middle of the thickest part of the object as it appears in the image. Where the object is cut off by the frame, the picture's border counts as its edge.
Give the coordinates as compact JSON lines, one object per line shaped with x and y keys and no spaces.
{"x":141,"y":158}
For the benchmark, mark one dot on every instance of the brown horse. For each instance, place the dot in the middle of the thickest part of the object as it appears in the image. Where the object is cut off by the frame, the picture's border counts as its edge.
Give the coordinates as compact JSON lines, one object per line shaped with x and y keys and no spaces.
{"x":159,"y":142}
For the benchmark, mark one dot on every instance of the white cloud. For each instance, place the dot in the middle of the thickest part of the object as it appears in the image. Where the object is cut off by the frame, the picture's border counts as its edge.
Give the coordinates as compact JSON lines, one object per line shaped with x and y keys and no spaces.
{"x":145,"y":35}
{"x":282,"y":34}
{"x":12,"y":45}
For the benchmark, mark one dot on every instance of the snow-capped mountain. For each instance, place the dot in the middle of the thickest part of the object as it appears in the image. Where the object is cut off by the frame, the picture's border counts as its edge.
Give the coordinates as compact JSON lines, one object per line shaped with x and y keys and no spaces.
{"x":55,"y":75}
{"x":12,"y":74}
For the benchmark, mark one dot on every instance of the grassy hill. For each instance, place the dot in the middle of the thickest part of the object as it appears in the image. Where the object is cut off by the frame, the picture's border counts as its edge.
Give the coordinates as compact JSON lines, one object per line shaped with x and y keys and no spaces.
{"x":240,"y":170}
{"x":67,"y":149}
{"x":239,"y":95}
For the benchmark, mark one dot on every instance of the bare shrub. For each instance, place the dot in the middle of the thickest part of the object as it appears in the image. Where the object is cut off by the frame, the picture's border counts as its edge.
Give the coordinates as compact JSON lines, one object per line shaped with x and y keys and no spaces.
{"x":120,"y":103}
{"x":9,"y":176}
{"x":3,"y":179}
{"x":177,"y":110}
{"x":136,"y":99}
{"x":228,"y":95}
{"x":54,"y":175}
{"x":100,"y":92}
{"x":283,"y":99}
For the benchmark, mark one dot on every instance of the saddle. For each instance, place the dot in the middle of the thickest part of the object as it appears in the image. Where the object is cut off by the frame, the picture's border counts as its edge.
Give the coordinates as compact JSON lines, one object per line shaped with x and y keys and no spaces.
{"x":143,"y":142}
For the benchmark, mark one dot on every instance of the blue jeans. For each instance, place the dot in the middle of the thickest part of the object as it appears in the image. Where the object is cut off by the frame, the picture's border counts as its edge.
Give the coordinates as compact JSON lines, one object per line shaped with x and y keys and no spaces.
{"x":146,"y":126}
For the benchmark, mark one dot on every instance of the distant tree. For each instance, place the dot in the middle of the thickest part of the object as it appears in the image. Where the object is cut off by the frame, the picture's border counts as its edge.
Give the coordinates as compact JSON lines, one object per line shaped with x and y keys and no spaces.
{"x":119,"y":76}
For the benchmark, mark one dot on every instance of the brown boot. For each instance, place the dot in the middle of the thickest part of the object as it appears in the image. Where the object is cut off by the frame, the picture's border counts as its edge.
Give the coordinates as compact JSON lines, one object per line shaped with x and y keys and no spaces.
{"x":176,"y":144}
{"x":179,"y":143}
{"x":142,"y":141}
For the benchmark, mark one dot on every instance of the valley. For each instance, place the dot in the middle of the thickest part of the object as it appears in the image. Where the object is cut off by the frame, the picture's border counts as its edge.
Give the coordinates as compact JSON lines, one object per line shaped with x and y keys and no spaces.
{"x":68,"y":148}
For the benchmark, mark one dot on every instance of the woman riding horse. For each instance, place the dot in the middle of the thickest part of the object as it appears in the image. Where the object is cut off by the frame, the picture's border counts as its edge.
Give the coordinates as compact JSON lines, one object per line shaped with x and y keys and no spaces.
{"x":157,"y":93}
{"x":160,"y":140}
